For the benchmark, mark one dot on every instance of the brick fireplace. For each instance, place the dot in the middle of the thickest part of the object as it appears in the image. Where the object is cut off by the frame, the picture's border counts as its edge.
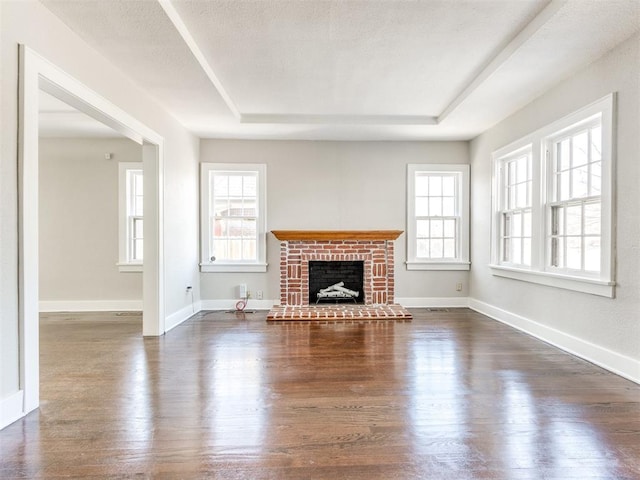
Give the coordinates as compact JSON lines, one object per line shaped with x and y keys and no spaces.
{"x":375,"y":248}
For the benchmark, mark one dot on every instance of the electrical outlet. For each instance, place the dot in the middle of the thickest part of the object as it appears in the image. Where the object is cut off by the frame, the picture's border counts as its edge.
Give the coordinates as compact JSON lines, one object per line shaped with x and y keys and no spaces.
{"x":458,"y":287}
{"x":259,"y":294}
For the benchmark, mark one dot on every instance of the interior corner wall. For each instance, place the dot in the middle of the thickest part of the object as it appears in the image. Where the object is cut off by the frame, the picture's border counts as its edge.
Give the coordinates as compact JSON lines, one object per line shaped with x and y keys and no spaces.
{"x":79,"y":224}
{"x":603,"y":330}
{"x":30,"y":23}
{"x":324,"y":185}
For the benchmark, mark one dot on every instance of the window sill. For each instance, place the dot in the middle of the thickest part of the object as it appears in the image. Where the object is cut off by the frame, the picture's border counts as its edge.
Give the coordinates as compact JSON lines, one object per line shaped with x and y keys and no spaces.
{"x":129,"y":267}
{"x":592,"y":286}
{"x":438,"y":265}
{"x":233,"y":267}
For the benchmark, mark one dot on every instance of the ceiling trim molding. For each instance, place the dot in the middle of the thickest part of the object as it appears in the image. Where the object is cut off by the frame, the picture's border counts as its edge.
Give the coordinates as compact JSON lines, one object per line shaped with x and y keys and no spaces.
{"x":305,"y":119}
{"x":510,"y":49}
{"x":184,"y":32}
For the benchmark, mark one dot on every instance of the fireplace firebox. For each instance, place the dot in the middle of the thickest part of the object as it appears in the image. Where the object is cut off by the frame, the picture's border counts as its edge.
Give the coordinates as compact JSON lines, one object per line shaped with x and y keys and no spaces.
{"x":336,"y":282}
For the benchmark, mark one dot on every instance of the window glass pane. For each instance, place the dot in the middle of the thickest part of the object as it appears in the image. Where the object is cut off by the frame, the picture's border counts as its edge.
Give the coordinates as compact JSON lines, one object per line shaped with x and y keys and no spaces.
{"x":138,"y":185}
{"x":564,"y":189}
{"x":422,"y":248}
{"x":574,"y":220}
{"x":580,"y":149}
{"x":592,"y":219}
{"x":422,"y":185}
{"x":574,"y":253}
{"x":249,"y":208}
{"x":522,"y":169}
{"x":526,"y":251}
{"x":138,"y":209}
{"x":234,"y":228}
{"x":422,"y":228}
{"x":592,"y":254}
{"x":449,"y":248}
{"x":516,"y":250}
{"x":511,"y":167}
{"x":579,"y":178}
{"x":138,"y":249}
{"x":249,"y":186}
{"x":220,"y":228}
{"x":235,"y":249}
{"x":521,"y":194}
{"x":512,"y":198}
{"x":448,"y":186}
{"x":435,"y":206}
{"x":249,"y":228}
{"x":436,"y":248}
{"x":249,"y":250}
{"x":221,"y":208}
{"x":437,"y":229}
{"x":516,"y":224}
{"x":422,"y":206}
{"x":526,"y":224}
{"x":221,"y":185}
{"x":450,"y":228}
{"x":448,"y":206}
{"x":221,"y":249}
{"x":435,"y":186}
{"x":235,"y":186}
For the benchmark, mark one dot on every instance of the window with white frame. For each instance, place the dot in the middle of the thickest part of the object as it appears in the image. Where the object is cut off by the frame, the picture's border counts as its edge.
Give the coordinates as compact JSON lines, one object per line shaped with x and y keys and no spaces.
{"x":575,"y":200}
{"x":233,"y":222}
{"x":553,"y":203}
{"x":515,"y":177}
{"x":437,"y":217}
{"x":131,"y":242}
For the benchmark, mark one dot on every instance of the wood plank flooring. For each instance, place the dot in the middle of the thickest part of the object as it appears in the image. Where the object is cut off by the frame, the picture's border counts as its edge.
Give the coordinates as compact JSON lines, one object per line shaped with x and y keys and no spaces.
{"x":451,"y":395}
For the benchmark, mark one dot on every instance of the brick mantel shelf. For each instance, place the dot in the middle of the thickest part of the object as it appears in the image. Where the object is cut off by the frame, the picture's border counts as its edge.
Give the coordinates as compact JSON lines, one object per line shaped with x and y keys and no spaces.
{"x":329,"y":235}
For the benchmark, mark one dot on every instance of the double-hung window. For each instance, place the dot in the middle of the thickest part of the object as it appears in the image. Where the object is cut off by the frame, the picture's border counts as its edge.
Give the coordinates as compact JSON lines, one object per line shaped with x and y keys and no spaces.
{"x":131,"y":242}
{"x":575,"y":200}
{"x":438,"y":217}
{"x":515,"y":173}
{"x":553,"y":196}
{"x":233,"y":222}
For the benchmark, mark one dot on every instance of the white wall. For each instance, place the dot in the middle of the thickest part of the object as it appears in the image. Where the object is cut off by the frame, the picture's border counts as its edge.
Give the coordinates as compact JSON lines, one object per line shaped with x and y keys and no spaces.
{"x":605,"y":330}
{"x":335,"y":186}
{"x":79,"y":224}
{"x":29,"y":23}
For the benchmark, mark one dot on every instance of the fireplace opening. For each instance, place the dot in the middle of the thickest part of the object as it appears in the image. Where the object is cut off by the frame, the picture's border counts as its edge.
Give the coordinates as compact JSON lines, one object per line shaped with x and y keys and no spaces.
{"x":336,"y":282}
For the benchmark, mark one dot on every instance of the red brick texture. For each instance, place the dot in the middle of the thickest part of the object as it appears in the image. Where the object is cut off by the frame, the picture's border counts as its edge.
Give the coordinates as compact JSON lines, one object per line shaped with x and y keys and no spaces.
{"x":377,"y":256}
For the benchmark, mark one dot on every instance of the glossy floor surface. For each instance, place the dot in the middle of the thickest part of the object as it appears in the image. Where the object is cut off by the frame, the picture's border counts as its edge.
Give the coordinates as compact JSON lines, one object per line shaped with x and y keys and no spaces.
{"x":451,"y":395}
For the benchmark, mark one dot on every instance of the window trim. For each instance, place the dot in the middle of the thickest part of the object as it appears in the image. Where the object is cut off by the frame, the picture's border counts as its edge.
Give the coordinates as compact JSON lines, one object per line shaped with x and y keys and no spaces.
{"x":125,"y":264}
{"x":206,"y":265}
{"x":462,"y":261}
{"x":541,"y":272}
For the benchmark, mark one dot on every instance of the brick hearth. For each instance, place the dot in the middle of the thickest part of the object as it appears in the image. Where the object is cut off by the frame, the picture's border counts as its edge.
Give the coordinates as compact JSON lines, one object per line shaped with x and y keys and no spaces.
{"x":374,"y":248}
{"x":339,"y":312}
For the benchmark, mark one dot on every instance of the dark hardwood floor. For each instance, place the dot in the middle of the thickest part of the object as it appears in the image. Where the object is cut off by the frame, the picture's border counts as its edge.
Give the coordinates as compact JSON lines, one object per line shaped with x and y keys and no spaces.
{"x":451,"y":395}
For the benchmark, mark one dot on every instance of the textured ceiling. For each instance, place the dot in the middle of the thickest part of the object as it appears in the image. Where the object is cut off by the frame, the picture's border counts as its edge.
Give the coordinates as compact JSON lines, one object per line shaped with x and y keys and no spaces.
{"x":344,"y":69}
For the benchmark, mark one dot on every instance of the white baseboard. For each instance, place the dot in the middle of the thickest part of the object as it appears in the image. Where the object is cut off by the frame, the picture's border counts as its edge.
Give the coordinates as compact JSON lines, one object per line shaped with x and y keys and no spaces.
{"x":181,"y":315}
{"x":230,"y":304}
{"x":11,"y":409}
{"x":50,"y":306}
{"x":433,"y":302}
{"x":622,"y":365}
